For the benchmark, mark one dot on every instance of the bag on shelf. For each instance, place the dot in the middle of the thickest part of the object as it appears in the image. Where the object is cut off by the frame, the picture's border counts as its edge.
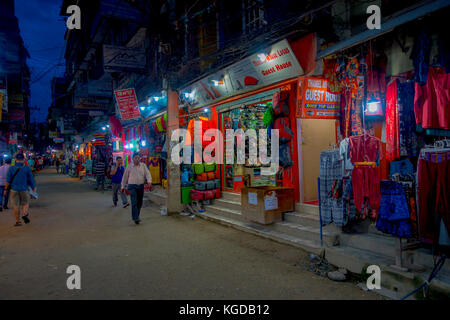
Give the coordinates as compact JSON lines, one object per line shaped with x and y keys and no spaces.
{"x":198,"y":168}
{"x":201,"y":177}
{"x":210,"y":184}
{"x":210,"y":167}
{"x":201,"y":185}
{"x":211,"y":175}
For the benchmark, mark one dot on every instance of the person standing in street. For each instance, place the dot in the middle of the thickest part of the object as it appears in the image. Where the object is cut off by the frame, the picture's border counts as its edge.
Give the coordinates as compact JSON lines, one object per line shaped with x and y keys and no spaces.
{"x":100,"y":168}
{"x":3,"y":174}
{"x":19,"y":179}
{"x":117,"y":172}
{"x":57,"y":163}
{"x":134,"y":178}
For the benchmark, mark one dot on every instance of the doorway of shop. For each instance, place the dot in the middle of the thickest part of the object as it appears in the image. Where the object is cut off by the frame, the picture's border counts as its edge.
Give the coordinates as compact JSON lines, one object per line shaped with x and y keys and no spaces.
{"x":317,"y":135}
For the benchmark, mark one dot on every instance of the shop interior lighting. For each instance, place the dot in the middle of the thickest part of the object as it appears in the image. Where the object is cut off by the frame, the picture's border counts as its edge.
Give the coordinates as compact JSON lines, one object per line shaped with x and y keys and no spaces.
{"x":149,"y":100}
{"x":156,"y":98}
{"x":205,"y":110}
{"x":103,"y":128}
{"x":142,"y":108}
{"x":143,"y":143}
{"x":373,"y":106}
{"x":107,"y":125}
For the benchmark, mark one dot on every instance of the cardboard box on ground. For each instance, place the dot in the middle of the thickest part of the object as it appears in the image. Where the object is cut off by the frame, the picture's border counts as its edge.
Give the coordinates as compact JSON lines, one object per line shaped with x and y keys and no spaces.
{"x":266,"y":204}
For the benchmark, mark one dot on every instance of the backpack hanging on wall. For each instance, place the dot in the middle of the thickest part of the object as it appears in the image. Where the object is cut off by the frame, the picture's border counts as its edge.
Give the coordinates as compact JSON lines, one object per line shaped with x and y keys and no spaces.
{"x":285,"y":132}
{"x":280,"y":103}
{"x":285,"y":156}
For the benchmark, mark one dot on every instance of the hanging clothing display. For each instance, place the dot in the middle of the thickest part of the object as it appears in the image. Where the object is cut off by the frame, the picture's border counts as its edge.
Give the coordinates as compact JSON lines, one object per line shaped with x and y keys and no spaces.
{"x":392,"y":123}
{"x":432,"y":100}
{"x":347,"y":165}
{"x":433,"y":190}
{"x":393,"y":216}
{"x":421,"y":56}
{"x":365,"y":153}
{"x":331,"y":207}
{"x":408,"y":138}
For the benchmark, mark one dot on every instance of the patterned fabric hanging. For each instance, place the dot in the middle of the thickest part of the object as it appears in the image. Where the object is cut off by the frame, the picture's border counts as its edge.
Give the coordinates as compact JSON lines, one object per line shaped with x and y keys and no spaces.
{"x":100,"y":139}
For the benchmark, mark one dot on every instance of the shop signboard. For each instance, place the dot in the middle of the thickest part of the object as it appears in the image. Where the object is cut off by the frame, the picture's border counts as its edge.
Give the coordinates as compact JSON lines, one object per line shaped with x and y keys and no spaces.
{"x":58,"y":140}
{"x":315,"y":101}
{"x":272,"y":65}
{"x":92,"y":103}
{"x":127,"y":103}
{"x":53,"y":134}
{"x":119,"y":59}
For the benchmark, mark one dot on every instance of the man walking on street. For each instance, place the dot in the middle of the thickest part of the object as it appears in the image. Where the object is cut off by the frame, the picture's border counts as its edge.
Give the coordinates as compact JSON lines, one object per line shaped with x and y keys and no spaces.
{"x":3,"y":174}
{"x":116,"y":180}
{"x":100,"y":167}
{"x":18,"y":179}
{"x":135,"y":176}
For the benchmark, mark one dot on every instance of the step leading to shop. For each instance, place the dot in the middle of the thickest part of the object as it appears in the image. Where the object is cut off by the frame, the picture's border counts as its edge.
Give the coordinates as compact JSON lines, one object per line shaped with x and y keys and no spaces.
{"x":305,"y":232}
{"x":307,"y":245}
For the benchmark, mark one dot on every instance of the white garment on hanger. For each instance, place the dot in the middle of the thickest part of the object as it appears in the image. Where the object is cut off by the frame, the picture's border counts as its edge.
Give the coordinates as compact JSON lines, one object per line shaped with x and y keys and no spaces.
{"x":347,"y":165}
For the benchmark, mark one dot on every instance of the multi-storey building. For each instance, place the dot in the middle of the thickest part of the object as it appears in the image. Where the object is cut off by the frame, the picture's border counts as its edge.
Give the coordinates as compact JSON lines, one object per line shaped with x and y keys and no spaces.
{"x":14,"y":81}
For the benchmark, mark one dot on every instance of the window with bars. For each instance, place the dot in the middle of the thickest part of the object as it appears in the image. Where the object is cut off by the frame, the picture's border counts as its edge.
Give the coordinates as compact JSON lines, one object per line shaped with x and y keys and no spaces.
{"x":254,"y":18}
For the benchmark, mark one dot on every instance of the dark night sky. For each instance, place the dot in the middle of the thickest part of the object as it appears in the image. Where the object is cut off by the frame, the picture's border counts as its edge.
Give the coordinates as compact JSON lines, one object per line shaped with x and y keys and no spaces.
{"x":42,"y":30}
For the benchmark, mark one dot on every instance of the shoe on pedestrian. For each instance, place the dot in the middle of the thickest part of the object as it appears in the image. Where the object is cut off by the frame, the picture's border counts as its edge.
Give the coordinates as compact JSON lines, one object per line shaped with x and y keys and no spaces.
{"x":6,"y":208}
{"x":114,"y":205}
{"x":18,"y":224}
{"x":26,"y":219}
{"x":137,"y":221}
{"x":1,"y":209}
{"x":126,"y":205}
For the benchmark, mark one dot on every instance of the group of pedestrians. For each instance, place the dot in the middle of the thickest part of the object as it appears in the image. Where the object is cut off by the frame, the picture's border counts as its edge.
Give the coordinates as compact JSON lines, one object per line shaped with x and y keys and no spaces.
{"x":15,"y":183}
{"x":17,"y":180}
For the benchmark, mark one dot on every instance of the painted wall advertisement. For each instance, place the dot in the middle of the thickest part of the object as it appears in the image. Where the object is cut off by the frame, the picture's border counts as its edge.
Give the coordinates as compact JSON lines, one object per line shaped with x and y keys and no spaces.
{"x":127,"y":103}
{"x":315,"y":101}
{"x":271,"y":65}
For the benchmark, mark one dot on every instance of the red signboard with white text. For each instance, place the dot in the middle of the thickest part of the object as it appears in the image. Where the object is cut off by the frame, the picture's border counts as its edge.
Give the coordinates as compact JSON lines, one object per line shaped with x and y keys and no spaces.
{"x":315,"y":101}
{"x":128,"y":104}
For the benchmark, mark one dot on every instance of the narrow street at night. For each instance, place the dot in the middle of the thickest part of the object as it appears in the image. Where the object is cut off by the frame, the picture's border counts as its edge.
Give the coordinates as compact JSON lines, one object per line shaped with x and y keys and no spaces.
{"x":165,"y":257}
{"x":225,"y":158}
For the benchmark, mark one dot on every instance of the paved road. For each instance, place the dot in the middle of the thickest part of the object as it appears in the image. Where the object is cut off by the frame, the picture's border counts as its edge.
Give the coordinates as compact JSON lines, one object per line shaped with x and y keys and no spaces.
{"x":163,"y":258}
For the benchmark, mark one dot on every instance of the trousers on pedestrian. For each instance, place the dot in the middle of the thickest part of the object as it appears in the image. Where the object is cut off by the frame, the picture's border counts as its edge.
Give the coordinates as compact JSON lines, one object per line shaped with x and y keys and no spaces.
{"x":101,"y":181}
{"x":3,"y":198}
{"x":137,"y":198}
{"x":116,"y":189}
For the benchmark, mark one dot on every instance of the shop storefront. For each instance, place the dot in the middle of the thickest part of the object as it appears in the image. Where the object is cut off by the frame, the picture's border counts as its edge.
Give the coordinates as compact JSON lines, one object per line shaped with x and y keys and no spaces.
{"x":374,"y":127}
{"x":259,"y":92}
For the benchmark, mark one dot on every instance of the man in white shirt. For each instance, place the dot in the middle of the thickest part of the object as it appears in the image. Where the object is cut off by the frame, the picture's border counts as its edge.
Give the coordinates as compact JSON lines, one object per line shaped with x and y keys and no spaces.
{"x":134,"y":178}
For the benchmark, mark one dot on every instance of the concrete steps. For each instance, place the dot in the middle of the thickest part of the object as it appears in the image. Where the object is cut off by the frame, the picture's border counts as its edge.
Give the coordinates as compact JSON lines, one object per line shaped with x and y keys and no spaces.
{"x":353,"y":252}
{"x":308,"y":245}
{"x":305,"y":232}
